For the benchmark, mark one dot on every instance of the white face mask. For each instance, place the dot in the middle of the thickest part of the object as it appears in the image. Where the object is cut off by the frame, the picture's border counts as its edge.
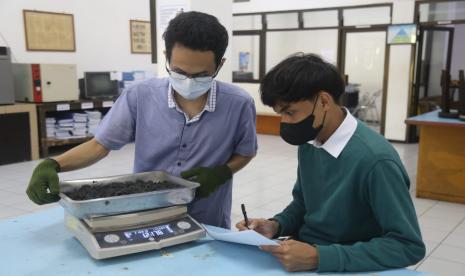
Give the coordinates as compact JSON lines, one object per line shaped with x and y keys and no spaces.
{"x":190,"y":89}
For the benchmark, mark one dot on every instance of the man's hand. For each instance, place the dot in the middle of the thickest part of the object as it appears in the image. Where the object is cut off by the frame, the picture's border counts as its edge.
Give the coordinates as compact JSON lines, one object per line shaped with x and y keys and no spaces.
{"x":268,"y":228}
{"x":209,"y":178}
{"x":294,"y":255}
{"x":43,"y":187}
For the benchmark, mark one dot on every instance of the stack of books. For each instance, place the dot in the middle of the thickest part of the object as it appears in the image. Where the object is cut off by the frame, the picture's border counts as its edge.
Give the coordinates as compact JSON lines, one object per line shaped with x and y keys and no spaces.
{"x":93,"y":121}
{"x":50,"y":127}
{"x":79,"y":125}
{"x":63,"y":129}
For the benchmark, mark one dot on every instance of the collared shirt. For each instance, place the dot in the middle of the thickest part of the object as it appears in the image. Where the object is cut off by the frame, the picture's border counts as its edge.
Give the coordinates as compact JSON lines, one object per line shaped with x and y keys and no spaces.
{"x":209,"y":106}
{"x":166,"y":141}
{"x":356,"y":208}
{"x":339,"y":139}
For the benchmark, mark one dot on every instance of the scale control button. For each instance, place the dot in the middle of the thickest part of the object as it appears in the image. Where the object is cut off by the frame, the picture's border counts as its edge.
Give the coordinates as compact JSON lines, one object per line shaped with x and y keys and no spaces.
{"x":184,"y":225}
{"x":111,"y":238}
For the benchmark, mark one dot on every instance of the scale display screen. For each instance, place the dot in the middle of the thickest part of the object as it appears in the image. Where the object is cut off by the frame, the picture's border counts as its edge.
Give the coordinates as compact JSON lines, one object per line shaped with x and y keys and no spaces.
{"x":151,"y":232}
{"x":180,"y":229}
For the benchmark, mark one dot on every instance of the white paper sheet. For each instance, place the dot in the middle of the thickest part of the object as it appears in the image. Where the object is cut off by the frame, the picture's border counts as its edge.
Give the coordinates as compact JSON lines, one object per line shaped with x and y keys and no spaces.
{"x":249,"y":237}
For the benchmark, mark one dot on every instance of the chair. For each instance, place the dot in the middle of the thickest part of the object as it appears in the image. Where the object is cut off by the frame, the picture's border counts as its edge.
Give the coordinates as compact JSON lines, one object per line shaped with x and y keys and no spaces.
{"x":368,"y":104}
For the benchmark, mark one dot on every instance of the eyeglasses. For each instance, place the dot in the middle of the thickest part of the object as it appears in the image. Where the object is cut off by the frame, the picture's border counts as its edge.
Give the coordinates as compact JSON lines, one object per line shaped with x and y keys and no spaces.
{"x":180,"y":76}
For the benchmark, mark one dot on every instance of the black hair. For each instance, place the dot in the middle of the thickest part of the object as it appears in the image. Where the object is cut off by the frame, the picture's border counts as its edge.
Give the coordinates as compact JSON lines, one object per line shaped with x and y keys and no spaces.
{"x":196,"y":31}
{"x":300,"y":77}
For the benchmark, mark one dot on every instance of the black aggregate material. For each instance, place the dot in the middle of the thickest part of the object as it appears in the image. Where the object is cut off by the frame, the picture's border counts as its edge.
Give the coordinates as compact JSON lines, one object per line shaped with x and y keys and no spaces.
{"x":86,"y":192}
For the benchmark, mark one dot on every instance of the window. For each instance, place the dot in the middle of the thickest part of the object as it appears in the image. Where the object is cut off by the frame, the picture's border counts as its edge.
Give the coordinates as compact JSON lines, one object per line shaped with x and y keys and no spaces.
{"x":282,"y":20}
{"x":442,"y":11}
{"x":261,"y":40}
{"x":320,"y":42}
{"x":367,"y":16}
{"x":246,"y":57}
{"x":247,"y":22}
{"x":315,"y":19}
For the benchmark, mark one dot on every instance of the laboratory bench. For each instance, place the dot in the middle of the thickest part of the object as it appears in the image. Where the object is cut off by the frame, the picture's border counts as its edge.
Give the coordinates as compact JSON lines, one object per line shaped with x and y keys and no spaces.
{"x":39,"y":244}
{"x":441,"y":157}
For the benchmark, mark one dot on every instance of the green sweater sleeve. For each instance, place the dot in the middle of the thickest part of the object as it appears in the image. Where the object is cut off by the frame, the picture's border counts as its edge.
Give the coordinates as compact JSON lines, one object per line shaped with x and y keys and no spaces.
{"x":399,"y":243}
{"x":291,"y":218}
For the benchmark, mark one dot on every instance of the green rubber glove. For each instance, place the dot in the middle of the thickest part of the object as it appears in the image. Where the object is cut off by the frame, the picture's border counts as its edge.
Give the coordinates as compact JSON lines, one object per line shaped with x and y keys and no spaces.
{"x":209,"y":178}
{"x":45,"y":176}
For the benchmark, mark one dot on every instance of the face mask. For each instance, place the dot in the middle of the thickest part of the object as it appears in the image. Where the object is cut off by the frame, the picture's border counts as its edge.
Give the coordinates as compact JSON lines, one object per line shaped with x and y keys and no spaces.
{"x":301,"y":132}
{"x":190,"y":89}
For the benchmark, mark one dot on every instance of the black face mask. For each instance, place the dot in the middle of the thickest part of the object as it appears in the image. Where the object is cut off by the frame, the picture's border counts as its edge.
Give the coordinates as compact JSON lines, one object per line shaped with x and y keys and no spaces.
{"x":301,"y":132}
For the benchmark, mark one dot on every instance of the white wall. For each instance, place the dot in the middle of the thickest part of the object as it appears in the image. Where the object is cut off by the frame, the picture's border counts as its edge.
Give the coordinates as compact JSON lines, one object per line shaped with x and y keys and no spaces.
{"x":101,"y":33}
{"x":399,"y":83}
{"x":253,"y":89}
{"x":222,"y":9}
{"x":398,"y":92}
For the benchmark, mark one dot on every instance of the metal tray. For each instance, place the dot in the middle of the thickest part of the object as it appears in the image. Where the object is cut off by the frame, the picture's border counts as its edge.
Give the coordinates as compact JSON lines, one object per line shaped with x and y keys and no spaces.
{"x":126,"y":203}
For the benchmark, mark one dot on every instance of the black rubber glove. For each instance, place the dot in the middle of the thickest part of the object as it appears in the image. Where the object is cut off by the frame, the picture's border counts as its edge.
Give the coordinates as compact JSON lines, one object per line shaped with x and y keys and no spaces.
{"x":44,"y":177}
{"x":209,"y":178}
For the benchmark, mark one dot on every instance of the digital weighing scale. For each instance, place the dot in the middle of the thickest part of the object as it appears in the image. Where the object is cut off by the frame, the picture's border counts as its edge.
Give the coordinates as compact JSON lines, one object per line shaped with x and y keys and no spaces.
{"x":121,"y":225}
{"x":111,"y":236}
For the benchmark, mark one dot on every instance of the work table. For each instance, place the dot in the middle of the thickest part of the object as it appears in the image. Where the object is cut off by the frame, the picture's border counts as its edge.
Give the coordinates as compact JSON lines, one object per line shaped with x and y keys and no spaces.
{"x":39,"y":244}
{"x":441,"y":157}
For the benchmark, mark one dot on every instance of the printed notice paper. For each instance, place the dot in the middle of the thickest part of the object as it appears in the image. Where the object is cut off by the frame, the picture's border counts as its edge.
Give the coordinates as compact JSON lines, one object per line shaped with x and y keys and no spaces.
{"x":249,"y":237}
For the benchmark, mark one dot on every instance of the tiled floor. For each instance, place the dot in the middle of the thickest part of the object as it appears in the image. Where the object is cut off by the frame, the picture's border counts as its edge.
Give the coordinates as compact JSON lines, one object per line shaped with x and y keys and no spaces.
{"x":265,"y":187}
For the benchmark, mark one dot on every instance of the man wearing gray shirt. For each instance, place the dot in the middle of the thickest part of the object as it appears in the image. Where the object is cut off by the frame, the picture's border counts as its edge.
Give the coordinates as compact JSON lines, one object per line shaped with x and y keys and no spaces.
{"x":188,"y":124}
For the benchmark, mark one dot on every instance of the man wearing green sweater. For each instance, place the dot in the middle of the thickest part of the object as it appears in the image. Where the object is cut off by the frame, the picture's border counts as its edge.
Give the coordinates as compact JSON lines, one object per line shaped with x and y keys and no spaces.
{"x":351,"y":207}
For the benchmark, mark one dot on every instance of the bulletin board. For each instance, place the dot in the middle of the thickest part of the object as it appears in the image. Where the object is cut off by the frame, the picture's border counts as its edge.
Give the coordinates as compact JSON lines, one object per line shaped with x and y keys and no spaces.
{"x":141,"y":42}
{"x":49,"y":31}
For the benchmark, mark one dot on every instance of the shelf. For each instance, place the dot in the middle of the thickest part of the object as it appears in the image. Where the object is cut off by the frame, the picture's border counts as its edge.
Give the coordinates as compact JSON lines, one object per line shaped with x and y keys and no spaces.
{"x":54,"y":108}
{"x":81,"y":105}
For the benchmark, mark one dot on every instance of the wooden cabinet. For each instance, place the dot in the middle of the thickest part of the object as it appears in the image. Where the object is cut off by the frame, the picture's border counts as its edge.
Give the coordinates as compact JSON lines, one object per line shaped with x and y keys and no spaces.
{"x":268,"y":124}
{"x":18,"y":133}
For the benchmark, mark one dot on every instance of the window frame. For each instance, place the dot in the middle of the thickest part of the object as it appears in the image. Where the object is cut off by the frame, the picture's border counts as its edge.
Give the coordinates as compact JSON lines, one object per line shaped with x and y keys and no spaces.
{"x":340,"y":28}
{"x":417,"y":15}
{"x":261,"y":71}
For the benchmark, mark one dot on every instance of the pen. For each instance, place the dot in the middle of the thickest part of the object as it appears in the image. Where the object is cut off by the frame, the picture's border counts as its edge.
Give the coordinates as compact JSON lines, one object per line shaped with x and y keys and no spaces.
{"x":245,"y":215}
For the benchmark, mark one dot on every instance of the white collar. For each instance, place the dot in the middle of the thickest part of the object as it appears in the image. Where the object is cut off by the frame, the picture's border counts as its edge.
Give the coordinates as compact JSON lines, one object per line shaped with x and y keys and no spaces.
{"x":339,"y":139}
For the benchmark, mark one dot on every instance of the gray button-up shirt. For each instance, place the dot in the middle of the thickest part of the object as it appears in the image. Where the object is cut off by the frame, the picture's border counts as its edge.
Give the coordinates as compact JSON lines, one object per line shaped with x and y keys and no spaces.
{"x":165,"y":141}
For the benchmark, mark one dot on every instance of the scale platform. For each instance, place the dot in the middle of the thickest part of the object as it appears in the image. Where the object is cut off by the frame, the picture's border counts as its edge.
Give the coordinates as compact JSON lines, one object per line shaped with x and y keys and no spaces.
{"x":116,"y":235}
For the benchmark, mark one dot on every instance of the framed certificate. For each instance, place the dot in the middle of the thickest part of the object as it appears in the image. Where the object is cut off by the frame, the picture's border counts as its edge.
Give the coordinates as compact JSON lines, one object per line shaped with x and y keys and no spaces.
{"x":49,"y":31}
{"x":140,"y":37}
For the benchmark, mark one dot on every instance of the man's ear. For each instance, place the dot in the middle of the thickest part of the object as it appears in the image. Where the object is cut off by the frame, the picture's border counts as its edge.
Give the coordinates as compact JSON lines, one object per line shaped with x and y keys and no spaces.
{"x":166,"y":56}
{"x":220,"y":65}
{"x":223,"y":60}
{"x":326,"y":100}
